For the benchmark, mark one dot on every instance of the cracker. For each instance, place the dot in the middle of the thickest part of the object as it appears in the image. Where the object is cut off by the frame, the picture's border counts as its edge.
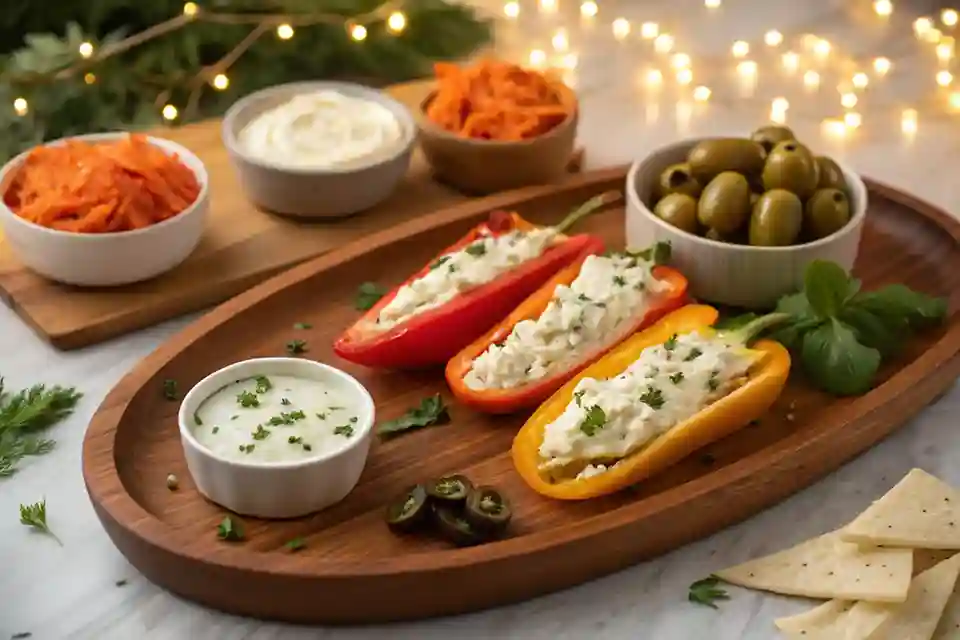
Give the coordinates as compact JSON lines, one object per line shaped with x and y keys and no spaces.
{"x":921,"y":512}
{"x":835,"y":620}
{"x":827,"y":567}
{"x":949,"y":627}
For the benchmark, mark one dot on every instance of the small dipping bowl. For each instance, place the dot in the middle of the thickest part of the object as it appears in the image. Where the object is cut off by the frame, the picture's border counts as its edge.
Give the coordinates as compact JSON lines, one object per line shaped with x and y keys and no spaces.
{"x":284,"y":489}
{"x":333,"y":192}
{"x":107,"y":259}
{"x":485,"y":166}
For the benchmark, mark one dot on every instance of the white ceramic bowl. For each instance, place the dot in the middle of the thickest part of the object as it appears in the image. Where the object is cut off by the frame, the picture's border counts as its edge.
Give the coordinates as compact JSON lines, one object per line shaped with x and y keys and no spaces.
{"x":276,"y":489}
{"x":107,"y":259}
{"x":731,"y":274}
{"x":317,"y":193}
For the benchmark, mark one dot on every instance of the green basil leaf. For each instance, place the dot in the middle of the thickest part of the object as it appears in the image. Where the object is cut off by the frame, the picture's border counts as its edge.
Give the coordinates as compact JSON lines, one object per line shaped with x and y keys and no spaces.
{"x":368,"y":295}
{"x":898,"y":302}
{"x":796,"y":305}
{"x":836,"y":362}
{"x":873,"y":331}
{"x":826,"y":287}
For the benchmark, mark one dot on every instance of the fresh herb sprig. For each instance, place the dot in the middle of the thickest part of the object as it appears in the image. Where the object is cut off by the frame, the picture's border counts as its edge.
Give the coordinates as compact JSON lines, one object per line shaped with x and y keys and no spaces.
{"x":27,"y":413}
{"x":431,"y":411}
{"x":368,"y":295}
{"x":229,"y":530}
{"x":841,"y":334}
{"x":706,"y":592}
{"x":35,"y":516}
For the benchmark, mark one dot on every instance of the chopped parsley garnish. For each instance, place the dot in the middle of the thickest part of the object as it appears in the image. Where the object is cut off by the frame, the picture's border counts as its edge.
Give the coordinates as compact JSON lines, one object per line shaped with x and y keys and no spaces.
{"x":229,"y":530}
{"x":247,"y":448}
{"x":693,"y":355}
{"x":439,"y":262}
{"x":477,"y":249}
{"x":335,"y":408}
{"x":196,"y":419}
{"x":307,"y":447}
{"x":593,"y":421}
{"x":714,"y":382}
{"x":652,"y":397}
{"x":285,"y":402}
{"x":620,"y":281}
{"x":248,"y":399}
{"x":653,"y":372}
{"x":215,"y":429}
{"x":300,"y":326}
{"x":640,"y":286}
{"x":706,"y":592}
{"x":260,"y":433}
{"x":234,"y":417}
{"x":677,"y":378}
{"x":343,"y":430}
{"x":583,"y":298}
{"x":578,"y":396}
{"x":368,"y":295}
{"x":263,"y":384}
{"x":322,"y":416}
{"x":452,"y":268}
{"x":287,"y":418}
{"x":295,"y":440}
{"x":296,"y":544}
{"x":295,"y":347}
{"x":430,"y":411}
{"x":671,"y":343}
{"x":170,"y":389}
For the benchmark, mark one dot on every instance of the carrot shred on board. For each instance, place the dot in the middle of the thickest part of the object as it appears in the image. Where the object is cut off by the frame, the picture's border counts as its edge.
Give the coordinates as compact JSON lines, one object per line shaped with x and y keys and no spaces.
{"x":495,"y":100}
{"x":101,"y":187}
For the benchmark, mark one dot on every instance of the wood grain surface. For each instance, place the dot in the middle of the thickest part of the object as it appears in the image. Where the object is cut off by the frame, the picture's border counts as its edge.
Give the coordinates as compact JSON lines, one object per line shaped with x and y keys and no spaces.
{"x":353,"y":569}
{"x":241,"y":246}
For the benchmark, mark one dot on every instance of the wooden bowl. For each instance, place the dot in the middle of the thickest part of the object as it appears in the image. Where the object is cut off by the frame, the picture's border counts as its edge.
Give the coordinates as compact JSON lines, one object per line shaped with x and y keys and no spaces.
{"x":485,"y":166}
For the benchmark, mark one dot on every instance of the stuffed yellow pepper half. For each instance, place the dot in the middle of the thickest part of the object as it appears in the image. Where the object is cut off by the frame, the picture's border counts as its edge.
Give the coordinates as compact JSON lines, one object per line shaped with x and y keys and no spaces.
{"x":658,"y":397}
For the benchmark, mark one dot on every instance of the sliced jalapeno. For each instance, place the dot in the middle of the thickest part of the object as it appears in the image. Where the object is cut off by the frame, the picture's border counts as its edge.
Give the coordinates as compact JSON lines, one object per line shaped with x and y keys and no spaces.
{"x":455,"y":528}
{"x":487,"y":509}
{"x":449,"y":489}
{"x":409,"y":511}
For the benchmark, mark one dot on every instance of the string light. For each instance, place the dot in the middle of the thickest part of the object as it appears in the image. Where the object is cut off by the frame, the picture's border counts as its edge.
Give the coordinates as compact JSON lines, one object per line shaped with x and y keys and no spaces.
{"x":190,"y":9}
{"x":20,"y":106}
{"x":883,"y":7}
{"x":654,"y":77}
{"x":701,"y":94}
{"x":778,"y":110}
{"x":945,"y":49}
{"x":663,"y":43}
{"x":773,"y":38}
{"x":780,"y":104}
{"x":170,"y":112}
{"x":921,"y":26}
{"x":537,"y":58}
{"x":86,"y":50}
{"x":790,"y":61}
{"x":860,"y":80}
{"x":852,"y":120}
{"x":848,"y":100}
{"x":680,"y":61}
{"x":89,"y":78}
{"x":712,"y":4}
{"x":548,"y":6}
{"x":397,"y":22}
{"x":220,"y":82}
{"x":908,"y":121}
{"x":881,"y":66}
{"x":649,"y":30}
{"x":944,"y":78}
{"x":570,"y":61}
{"x":589,"y":9}
{"x":511,"y":9}
{"x":747,"y":68}
{"x":834,"y":128}
{"x":949,"y":17}
{"x":621,"y":28}
{"x":811,"y":79}
{"x":822,"y":48}
{"x":358,"y":32}
{"x":809,"y":40}
{"x":954,"y":100}
{"x":560,"y":41}
{"x":684,"y":76}
{"x":284,"y":32}
{"x":740,"y":49}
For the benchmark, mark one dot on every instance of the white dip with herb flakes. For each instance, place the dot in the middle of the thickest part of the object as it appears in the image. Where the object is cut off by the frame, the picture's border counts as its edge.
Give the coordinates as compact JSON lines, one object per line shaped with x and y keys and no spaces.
{"x":478,"y":263}
{"x":603,"y":301}
{"x":607,"y":420}
{"x":277,"y":419}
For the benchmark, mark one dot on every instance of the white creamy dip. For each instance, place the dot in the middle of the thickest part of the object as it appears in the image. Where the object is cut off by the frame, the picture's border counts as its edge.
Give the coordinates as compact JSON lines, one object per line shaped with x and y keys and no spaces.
{"x":454,"y":273}
{"x":322,"y":130}
{"x":607,"y":420}
{"x":603,"y":301}
{"x":277,"y":419}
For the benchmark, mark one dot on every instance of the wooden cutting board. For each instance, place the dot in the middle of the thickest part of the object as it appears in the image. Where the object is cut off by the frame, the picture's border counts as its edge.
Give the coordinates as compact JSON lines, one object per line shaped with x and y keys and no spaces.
{"x":242,"y":246}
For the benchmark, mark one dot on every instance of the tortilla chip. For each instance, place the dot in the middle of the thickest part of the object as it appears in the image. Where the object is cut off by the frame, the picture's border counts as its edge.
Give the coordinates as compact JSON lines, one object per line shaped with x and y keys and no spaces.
{"x":921,"y":512}
{"x":827,"y":567}
{"x":914,"y":619}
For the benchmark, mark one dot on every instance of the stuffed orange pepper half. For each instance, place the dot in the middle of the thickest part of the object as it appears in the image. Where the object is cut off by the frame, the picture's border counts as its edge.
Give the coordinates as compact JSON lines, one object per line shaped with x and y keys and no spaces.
{"x":570,"y":322}
{"x":466,"y":289}
{"x":661,"y":395}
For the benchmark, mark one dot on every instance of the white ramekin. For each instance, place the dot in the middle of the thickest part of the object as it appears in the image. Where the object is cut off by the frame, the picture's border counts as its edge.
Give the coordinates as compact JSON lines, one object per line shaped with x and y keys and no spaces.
{"x":276,"y":489}
{"x":107,"y":259}
{"x":733,"y":274}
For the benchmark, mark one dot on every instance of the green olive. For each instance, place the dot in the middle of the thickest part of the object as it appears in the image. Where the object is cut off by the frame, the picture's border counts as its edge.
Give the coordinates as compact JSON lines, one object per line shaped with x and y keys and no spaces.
{"x":831,"y":176}
{"x":725,"y":203}
{"x":737,"y":237}
{"x":771,"y":135}
{"x":827,"y":211}
{"x":677,"y":179}
{"x":776,"y":219}
{"x":792,"y":167}
{"x":678,"y":210}
{"x":710,"y":158}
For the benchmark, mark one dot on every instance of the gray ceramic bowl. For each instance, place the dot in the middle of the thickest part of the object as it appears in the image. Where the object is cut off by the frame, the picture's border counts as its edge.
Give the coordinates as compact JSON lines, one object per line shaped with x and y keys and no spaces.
{"x":733,"y":274}
{"x":316,"y":193}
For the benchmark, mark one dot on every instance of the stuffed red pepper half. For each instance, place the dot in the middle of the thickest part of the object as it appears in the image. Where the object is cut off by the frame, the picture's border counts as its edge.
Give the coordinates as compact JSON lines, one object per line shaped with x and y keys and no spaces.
{"x":575,"y":318}
{"x":467,"y":289}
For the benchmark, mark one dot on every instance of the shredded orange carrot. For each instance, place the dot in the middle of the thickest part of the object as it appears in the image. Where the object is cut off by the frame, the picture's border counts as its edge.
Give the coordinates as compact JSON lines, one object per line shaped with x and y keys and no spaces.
{"x":494,"y":100}
{"x":101,"y":187}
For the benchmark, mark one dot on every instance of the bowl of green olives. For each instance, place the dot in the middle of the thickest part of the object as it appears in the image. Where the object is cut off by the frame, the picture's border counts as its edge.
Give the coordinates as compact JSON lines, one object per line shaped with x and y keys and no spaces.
{"x":744,"y":216}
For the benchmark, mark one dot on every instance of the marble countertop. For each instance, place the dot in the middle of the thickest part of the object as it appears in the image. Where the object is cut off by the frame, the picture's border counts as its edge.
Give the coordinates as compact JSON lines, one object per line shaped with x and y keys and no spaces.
{"x":64,"y":592}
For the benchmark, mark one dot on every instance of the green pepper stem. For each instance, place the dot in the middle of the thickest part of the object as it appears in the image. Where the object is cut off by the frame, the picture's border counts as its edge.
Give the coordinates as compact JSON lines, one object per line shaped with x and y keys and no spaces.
{"x":752,"y":329}
{"x":592,"y":205}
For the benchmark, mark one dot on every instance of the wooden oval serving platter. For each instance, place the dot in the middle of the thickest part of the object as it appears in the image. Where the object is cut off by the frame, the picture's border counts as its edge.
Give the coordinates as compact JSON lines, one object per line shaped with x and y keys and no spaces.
{"x":353,"y":570}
